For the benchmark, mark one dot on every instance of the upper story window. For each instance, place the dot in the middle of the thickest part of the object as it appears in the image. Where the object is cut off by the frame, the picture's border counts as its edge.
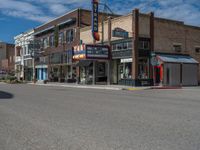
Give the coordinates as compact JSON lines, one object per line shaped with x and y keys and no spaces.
{"x":24,"y":49}
{"x":70,"y":35}
{"x":197,"y":50}
{"x":144,"y":45}
{"x":45,"y":42}
{"x":177,"y":47}
{"x":122,"y":46}
{"x":41,"y":43}
{"x":51,"y":40}
{"x":18,"y":52}
{"x":61,"y":38}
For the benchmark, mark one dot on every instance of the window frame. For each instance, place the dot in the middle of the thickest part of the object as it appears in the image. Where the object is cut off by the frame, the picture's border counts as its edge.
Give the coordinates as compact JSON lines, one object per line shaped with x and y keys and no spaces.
{"x":197,"y":49}
{"x":177,"y":45}
{"x":70,"y":35}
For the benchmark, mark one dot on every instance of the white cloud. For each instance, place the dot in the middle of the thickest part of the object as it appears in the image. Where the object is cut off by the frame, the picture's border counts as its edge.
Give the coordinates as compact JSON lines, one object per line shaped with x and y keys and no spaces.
{"x":20,"y":6}
{"x":43,"y":10}
{"x":58,"y":9}
{"x":34,"y":17}
{"x":182,"y":10}
{"x":23,"y":9}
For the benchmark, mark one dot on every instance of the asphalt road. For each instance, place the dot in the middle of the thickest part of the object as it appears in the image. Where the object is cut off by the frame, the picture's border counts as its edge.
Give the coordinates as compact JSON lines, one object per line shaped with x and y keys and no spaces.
{"x":56,"y":118}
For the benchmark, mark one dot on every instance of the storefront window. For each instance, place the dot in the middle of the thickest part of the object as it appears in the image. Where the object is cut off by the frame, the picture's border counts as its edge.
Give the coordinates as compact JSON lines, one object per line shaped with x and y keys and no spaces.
{"x":143,"y":67}
{"x":125,"y":70}
{"x":122,"y":46}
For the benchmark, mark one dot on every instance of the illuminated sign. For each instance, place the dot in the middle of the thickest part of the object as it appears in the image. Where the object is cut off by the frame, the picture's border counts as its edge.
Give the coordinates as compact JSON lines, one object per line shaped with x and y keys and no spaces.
{"x":91,"y":52}
{"x":79,"y":52}
{"x":95,"y":20}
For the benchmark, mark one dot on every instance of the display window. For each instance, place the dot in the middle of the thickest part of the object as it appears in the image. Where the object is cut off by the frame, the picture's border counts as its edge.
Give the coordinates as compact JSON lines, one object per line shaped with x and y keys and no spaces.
{"x":143,"y":68}
{"x":125,"y":70}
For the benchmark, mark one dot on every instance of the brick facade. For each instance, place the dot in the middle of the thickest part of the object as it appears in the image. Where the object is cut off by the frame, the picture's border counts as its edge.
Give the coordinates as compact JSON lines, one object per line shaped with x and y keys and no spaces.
{"x":7,"y":56}
{"x":162,"y":33}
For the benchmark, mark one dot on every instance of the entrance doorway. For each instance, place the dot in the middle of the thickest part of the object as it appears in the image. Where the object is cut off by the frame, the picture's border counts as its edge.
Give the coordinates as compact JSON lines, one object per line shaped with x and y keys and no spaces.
{"x":158,"y":75}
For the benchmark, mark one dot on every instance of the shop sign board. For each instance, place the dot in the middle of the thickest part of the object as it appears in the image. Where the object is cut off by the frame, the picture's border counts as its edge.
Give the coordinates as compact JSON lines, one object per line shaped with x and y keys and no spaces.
{"x":126,"y":60}
{"x":119,"y":32}
{"x":79,"y":52}
{"x":121,"y":54}
{"x":97,"y":52}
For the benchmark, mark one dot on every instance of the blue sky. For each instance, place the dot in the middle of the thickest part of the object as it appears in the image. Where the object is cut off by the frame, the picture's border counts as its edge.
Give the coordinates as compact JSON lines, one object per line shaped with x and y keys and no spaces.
{"x":17,"y":16}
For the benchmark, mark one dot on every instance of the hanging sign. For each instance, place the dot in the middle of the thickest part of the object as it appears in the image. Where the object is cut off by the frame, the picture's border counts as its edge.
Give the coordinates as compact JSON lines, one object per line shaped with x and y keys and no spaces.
{"x":95,"y":20}
{"x":79,"y":52}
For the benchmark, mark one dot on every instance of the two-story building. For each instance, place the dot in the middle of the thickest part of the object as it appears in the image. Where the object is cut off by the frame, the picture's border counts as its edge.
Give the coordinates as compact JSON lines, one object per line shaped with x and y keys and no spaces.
{"x":147,"y":49}
{"x":57,"y":39}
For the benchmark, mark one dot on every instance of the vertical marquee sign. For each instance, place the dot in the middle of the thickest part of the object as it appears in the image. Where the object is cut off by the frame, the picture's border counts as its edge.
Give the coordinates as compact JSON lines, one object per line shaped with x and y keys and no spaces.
{"x":95,"y":20}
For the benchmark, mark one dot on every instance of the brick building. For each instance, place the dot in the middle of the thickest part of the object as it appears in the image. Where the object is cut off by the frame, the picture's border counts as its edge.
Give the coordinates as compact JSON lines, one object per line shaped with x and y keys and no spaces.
{"x":147,"y":49}
{"x":7,"y":56}
{"x":57,"y":39}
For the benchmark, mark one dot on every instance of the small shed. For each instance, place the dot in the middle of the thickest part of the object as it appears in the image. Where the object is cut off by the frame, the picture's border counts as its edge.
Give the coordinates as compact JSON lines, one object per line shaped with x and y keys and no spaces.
{"x":176,"y":70}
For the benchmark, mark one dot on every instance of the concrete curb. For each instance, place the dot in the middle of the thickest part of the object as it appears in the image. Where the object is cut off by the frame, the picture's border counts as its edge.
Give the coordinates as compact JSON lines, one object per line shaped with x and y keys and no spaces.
{"x":80,"y":86}
{"x":94,"y":87}
{"x":136,"y":88}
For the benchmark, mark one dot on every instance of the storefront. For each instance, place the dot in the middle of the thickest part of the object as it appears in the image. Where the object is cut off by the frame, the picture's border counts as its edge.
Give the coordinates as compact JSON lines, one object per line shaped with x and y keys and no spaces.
{"x":41,"y":68}
{"x":61,"y":68}
{"x":28,"y":69}
{"x":121,"y":61}
{"x":41,"y":72}
{"x":92,"y":62}
{"x":175,"y":70}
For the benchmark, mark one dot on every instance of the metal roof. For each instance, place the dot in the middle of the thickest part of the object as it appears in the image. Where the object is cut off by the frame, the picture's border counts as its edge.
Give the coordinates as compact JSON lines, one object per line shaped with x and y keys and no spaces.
{"x":177,"y":59}
{"x":45,"y":30}
{"x":68,"y":21}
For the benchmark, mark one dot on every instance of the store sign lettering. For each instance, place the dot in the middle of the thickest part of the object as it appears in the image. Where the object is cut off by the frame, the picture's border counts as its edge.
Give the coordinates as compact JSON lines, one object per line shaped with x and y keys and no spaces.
{"x":95,"y":20}
{"x":97,"y":52}
{"x":118,"y":32}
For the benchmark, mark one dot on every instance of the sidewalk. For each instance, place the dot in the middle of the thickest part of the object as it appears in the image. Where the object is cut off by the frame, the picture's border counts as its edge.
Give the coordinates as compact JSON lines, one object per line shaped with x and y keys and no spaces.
{"x":102,"y":87}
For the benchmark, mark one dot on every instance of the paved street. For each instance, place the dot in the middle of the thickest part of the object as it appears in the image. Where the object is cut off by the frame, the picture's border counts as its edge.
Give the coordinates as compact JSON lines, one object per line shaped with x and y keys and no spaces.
{"x":57,"y":118}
